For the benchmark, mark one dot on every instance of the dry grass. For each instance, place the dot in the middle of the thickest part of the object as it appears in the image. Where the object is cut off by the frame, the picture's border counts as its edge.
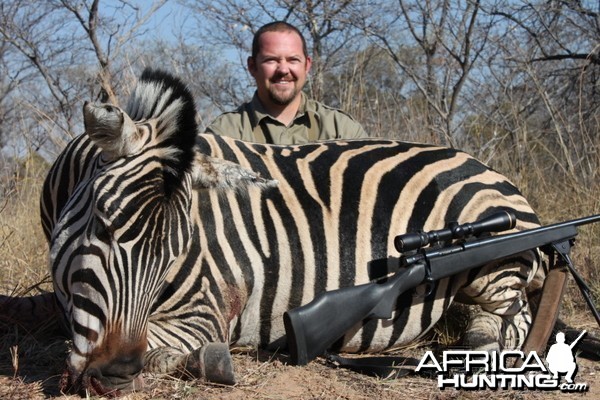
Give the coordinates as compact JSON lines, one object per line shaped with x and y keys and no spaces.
{"x":31,"y":364}
{"x":264,"y":376}
{"x":23,"y":248}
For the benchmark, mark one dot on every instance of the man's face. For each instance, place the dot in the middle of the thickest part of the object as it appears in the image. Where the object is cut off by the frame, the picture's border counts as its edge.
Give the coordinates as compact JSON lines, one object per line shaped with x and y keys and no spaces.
{"x":280,"y":68}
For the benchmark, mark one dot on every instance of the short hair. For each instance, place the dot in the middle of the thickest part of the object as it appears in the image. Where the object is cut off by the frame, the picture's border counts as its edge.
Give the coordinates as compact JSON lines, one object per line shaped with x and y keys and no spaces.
{"x":276,"y":26}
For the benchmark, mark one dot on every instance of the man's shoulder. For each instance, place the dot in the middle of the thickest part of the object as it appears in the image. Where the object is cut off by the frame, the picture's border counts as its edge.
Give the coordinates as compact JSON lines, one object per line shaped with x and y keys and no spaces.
{"x":236,"y":111}
{"x":335,"y":123}
{"x":326,"y":110}
{"x":234,"y":114}
{"x":236,"y":120}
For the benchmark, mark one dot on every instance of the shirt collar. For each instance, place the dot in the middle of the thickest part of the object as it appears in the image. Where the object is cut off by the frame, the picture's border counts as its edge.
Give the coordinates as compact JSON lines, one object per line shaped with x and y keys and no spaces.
{"x":260,"y":112}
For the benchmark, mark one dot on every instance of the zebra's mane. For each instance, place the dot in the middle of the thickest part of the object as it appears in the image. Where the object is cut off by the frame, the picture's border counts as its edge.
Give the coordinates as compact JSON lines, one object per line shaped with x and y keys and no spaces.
{"x":161,"y":96}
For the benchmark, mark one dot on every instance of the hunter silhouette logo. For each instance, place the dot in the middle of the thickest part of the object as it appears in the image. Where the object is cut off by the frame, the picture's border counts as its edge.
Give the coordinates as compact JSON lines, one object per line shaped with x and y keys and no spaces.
{"x":560,"y":357}
{"x":480,"y":370}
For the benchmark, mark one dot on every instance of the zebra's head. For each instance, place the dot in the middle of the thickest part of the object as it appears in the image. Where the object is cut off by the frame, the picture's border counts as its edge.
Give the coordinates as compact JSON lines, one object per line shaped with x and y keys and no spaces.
{"x":123,"y":229}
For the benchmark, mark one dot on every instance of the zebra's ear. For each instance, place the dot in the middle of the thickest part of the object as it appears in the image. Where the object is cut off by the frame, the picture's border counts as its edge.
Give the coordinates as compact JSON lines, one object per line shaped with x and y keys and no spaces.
{"x":111,"y":129}
{"x":209,"y":172}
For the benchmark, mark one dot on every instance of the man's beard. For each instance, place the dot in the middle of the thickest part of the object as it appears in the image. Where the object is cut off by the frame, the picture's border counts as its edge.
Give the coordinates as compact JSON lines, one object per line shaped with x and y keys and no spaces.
{"x":283,"y":98}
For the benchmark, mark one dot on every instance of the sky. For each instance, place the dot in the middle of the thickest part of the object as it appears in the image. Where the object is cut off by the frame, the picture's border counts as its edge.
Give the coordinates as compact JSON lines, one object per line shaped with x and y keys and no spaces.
{"x":170,"y":18}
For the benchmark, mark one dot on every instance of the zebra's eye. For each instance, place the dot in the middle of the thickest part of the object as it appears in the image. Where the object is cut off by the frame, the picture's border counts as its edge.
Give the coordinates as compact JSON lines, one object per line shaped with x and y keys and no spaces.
{"x":109,"y":108}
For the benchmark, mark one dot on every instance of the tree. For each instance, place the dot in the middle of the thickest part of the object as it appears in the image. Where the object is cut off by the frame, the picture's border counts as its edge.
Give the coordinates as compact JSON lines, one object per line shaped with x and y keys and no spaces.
{"x":64,"y":51}
{"x":211,"y":78}
{"x":326,"y":25}
{"x":551,"y":50}
{"x":437,"y":45}
{"x":7,"y":87}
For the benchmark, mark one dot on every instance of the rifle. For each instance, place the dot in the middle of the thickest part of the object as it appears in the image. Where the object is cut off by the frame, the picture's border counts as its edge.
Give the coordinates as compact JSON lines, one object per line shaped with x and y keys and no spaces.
{"x":312,"y":328}
{"x":574,"y":342}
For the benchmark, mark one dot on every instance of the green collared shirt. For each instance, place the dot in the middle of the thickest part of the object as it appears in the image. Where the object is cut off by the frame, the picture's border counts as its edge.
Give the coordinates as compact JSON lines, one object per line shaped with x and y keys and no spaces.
{"x":314,"y":121}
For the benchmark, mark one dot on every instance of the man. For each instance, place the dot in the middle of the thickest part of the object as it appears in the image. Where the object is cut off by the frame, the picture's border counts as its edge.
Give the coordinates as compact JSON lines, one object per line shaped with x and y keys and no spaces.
{"x":280,"y":113}
{"x":560,"y":357}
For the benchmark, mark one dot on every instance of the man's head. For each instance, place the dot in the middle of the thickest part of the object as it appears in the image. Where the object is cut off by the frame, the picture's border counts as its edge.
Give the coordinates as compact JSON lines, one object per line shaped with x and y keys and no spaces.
{"x":279,"y":63}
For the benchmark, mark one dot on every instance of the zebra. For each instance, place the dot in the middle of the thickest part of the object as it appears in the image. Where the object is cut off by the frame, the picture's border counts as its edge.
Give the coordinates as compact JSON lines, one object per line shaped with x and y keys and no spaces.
{"x":165,"y":241}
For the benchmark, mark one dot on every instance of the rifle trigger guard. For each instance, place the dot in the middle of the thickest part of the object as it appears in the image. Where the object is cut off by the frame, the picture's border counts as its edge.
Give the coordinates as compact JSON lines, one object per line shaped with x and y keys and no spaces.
{"x":429,"y":282}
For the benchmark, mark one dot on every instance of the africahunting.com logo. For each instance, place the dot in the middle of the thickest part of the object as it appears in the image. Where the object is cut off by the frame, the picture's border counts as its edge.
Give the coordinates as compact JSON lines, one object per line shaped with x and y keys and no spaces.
{"x":480,"y":370}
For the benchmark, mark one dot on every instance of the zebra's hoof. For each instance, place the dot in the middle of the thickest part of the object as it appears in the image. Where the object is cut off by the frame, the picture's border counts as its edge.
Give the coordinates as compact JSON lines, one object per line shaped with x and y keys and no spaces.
{"x":213,"y":363}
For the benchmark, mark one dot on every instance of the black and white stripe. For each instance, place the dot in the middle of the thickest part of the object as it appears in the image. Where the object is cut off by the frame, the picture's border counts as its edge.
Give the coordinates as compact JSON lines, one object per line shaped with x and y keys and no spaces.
{"x":159,"y":243}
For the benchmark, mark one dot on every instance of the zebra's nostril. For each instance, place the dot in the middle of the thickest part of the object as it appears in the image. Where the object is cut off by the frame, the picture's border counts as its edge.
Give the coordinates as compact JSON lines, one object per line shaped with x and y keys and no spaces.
{"x":126,"y":368}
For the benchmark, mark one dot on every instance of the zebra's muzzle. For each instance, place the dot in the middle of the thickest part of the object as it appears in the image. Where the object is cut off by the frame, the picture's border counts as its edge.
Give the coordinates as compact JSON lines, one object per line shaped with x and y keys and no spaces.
{"x":112,"y":379}
{"x":94,"y":382}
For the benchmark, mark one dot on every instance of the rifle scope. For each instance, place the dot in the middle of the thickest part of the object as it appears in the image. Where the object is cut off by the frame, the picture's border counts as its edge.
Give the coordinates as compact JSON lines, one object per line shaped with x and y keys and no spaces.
{"x":497,"y":222}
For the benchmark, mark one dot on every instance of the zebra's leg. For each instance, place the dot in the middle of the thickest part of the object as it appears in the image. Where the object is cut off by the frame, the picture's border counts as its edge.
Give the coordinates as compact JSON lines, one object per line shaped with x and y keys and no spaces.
{"x":211,"y":362}
{"x":500,"y":290}
{"x":490,"y":332}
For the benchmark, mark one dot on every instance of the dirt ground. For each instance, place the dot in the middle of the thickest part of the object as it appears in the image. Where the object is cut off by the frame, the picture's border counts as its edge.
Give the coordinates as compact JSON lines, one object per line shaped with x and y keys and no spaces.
{"x":263,"y":375}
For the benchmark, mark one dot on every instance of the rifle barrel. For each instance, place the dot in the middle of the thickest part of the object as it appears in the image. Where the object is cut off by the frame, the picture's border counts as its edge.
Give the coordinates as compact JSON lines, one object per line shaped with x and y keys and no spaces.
{"x":576,"y":222}
{"x":578,"y":339}
{"x":447,"y":261}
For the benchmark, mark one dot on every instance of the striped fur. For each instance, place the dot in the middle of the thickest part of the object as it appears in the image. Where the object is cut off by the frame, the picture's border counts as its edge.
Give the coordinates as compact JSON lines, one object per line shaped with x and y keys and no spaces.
{"x":158,"y":244}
